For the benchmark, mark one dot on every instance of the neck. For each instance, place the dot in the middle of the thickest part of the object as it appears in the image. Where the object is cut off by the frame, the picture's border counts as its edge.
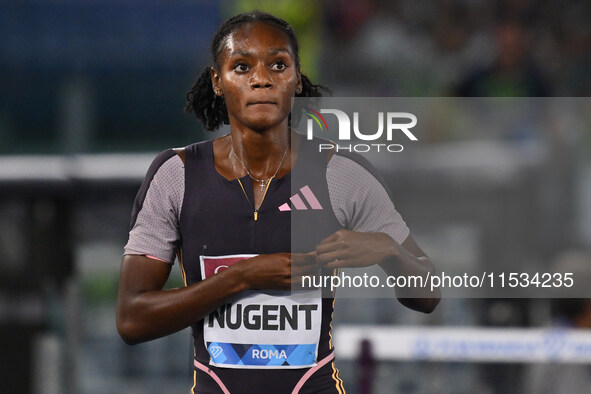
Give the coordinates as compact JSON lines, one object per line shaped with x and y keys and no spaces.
{"x":261,"y":152}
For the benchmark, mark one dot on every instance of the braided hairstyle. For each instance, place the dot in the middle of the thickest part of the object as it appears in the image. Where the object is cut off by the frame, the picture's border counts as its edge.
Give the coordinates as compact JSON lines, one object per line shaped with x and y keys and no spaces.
{"x":201,"y":99}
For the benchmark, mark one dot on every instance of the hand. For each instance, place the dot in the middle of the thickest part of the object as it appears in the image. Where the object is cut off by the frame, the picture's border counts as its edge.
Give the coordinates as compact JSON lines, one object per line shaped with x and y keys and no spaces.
{"x":354,"y":249}
{"x":277,"y":271}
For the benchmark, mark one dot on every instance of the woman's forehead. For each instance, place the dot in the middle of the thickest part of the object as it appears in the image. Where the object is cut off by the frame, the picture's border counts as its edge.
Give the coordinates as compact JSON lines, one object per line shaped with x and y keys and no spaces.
{"x":254,"y":37}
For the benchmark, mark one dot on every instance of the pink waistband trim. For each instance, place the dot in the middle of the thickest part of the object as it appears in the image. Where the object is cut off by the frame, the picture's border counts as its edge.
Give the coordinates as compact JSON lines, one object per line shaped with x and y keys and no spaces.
{"x":311,"y":372}
{"x":213,"y":376}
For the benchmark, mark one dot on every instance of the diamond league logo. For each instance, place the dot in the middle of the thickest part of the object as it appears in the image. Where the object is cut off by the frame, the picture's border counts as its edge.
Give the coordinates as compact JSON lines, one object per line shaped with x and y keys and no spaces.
{"x":396,"y":123}
{"x":215,"y":351}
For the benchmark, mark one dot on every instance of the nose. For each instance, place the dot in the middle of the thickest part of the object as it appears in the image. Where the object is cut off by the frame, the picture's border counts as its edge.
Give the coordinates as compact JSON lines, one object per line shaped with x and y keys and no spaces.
{"x":261,"y":78}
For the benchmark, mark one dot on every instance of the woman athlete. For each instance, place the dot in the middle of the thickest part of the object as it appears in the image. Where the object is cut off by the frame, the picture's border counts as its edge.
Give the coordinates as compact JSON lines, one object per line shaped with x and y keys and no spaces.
{"x":222,"y":207}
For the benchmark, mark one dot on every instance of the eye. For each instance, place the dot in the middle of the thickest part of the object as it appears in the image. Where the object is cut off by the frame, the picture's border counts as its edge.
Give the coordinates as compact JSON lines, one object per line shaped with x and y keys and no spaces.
{"x":241,"y":67}
{"x":279,"y":65}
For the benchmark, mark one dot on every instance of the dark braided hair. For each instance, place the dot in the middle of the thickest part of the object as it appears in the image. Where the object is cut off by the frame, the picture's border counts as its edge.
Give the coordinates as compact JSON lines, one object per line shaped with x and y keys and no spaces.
{"x":201,"y":99}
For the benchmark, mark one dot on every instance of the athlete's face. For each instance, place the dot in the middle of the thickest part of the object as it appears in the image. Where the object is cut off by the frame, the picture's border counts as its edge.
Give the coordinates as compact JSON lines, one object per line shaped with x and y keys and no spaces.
{"x":257,"y":76}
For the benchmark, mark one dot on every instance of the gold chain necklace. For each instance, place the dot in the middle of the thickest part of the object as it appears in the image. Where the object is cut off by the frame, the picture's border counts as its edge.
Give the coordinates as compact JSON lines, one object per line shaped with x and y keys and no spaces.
{"x":263,"y":182}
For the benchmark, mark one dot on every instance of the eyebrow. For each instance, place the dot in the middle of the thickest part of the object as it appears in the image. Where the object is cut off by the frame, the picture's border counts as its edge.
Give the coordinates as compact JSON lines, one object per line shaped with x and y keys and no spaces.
{"x":250,"y":53}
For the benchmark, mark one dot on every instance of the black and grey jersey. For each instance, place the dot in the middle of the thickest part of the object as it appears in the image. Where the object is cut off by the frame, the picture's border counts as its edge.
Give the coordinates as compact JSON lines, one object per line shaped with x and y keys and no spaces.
{"x":259,"y":341}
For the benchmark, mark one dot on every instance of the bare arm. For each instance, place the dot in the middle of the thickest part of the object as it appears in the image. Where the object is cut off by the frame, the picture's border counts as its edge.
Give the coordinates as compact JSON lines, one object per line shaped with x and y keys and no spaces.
{"x":356,"y":249}
{"x":408,"y":259}
{"x":145,"y":311}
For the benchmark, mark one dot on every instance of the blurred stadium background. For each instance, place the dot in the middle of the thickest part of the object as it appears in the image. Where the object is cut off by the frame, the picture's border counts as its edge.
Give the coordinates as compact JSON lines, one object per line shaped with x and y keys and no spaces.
{"x":91,"y":89}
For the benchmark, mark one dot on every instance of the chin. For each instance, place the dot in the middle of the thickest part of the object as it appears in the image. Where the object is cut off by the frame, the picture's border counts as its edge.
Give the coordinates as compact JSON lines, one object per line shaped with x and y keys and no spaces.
{"x":264,"y":123}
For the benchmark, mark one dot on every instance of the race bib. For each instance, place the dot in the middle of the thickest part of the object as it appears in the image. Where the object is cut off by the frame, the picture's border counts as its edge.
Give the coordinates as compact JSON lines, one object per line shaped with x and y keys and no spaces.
{"x":262,"y":329}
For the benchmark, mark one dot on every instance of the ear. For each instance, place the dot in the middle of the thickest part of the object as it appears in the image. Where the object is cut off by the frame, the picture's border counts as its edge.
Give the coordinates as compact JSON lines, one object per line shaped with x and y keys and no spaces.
{"x":216,"y":82}
{"x":299,"y":85}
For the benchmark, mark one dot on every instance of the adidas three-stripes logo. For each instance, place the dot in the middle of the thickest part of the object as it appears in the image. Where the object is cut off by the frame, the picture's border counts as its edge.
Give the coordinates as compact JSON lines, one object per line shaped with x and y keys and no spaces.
{"x":298,"y":202}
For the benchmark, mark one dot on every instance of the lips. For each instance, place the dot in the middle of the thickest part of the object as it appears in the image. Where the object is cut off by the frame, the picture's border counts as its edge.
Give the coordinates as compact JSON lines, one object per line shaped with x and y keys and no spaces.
{"x":261,"y":102}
